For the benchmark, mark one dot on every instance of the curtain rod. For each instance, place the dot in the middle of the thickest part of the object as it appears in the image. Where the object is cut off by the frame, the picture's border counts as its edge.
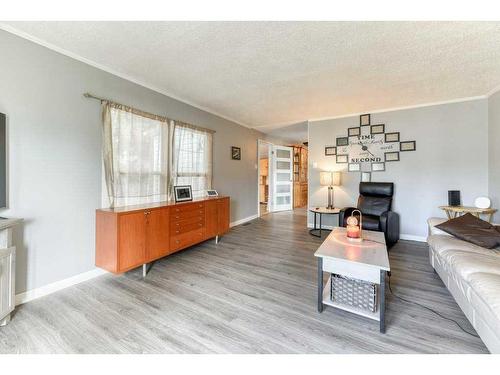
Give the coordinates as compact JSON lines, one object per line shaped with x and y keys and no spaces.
{"x":145,"y":114}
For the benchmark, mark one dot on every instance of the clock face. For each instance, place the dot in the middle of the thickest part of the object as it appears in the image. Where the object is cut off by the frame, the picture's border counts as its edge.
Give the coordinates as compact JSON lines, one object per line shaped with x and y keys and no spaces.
{"x":368,"y":147}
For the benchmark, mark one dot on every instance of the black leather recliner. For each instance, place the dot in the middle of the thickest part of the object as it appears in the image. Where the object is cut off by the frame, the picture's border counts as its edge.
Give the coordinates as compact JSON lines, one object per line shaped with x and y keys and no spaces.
{"x":374,"y":202}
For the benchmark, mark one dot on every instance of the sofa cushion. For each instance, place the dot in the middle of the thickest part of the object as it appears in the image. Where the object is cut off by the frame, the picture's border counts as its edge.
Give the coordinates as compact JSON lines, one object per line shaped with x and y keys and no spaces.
{"x":445,"y":242}
{"x":485,"y":297}
{"x":472,"y":229}
{"x":466,"y":264}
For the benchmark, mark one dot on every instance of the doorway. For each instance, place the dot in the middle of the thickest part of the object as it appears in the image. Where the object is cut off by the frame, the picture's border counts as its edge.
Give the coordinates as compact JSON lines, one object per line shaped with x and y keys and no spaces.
{"x":275,"y":177}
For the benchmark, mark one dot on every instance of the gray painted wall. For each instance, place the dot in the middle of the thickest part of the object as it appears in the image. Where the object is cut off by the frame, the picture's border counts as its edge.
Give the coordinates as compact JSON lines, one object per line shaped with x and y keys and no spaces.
{"x":452,"y":153}
{"x":494,"y":151}
{"x":54,"y":145}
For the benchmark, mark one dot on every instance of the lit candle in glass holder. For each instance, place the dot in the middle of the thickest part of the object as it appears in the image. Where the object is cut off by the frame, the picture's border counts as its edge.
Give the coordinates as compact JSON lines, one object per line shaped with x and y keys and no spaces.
{"x":353,"y":229}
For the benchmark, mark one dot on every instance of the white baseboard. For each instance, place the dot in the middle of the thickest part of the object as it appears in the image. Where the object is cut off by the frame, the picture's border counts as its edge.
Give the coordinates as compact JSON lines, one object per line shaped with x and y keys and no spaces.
{"x":73,"y":280}
{"x":311,"y":225}
{"x":409,"y":237}
{"x":56,"y":286}
{"x":242,"y":221}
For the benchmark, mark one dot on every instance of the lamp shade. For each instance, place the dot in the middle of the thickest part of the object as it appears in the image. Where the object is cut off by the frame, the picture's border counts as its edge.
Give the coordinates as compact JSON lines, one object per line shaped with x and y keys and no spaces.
{"x":329,"y":178}
{"x":325,"y":178}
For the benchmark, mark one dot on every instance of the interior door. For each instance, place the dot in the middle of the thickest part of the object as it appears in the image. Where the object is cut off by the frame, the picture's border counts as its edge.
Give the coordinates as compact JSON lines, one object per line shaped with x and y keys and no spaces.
{"x":282,"y":181}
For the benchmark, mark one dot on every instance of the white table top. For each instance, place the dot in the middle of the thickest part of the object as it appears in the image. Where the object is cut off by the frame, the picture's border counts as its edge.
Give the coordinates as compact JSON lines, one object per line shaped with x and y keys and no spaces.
{"x":6,"y":223}
{"x":324,"y":210}
{"x":372,"y":251}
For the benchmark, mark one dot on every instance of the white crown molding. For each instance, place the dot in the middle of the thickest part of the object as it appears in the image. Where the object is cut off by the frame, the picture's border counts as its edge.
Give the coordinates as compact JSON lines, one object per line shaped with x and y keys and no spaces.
{"x":62,"y":51}
{"x":460,"y":100}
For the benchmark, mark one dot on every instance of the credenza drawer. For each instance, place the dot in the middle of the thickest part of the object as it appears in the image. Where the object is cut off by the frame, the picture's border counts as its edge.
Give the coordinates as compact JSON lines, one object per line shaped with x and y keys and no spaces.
{"x":186,"y":239}
{"x":186,"y":228}
{"x":187,"y":214}
{"x":187,"y":207}
{"x":191,"y":220}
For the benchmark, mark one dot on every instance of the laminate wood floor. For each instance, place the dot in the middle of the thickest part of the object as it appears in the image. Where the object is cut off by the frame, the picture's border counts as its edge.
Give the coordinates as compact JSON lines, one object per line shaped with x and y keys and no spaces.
{"x":254,"y":292}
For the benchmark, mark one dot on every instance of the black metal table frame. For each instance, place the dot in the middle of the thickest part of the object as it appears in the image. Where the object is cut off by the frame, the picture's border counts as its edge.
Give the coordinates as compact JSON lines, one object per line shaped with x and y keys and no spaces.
{"x":311,"y":231}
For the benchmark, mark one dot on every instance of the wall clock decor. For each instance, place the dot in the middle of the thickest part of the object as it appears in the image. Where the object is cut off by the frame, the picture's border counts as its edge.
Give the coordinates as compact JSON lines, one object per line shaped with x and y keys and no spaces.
{"x":368,"y":147}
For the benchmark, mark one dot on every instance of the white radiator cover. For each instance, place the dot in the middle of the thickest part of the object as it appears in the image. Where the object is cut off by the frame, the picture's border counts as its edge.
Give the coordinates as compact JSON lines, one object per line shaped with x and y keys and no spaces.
{"x":7,"y":277}
{"x":7,"y":270}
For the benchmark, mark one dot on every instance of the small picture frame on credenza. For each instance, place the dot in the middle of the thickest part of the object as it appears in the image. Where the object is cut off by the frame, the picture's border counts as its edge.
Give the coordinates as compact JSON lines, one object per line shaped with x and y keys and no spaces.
{"x":212,"y":193}
{"x":183,"y":193}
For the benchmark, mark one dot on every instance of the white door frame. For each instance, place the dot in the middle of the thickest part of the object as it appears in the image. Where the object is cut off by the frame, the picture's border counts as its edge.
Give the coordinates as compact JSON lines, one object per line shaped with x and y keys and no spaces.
{"x":261,"y":142}
{"x":275,"y":162}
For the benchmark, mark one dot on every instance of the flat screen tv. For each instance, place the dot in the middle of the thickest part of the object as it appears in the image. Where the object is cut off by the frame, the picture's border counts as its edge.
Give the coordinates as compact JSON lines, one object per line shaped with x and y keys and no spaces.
{"x":3,"y":161}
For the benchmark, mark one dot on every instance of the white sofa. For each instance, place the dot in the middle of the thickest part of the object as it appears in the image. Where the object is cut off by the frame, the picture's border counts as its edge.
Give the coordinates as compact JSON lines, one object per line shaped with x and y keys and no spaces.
{"x":472,"y":275}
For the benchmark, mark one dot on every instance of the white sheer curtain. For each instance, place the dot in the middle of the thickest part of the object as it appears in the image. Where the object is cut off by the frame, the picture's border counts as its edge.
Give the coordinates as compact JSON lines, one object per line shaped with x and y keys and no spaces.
{"x":136,"y":156}
{"x":192,"y":158}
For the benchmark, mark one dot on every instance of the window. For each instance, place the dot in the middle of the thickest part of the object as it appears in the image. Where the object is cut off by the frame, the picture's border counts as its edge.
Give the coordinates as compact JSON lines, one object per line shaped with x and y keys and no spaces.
{"x":192,"y":158}
{"x":135,"y":158}
{"x":146,"y":155}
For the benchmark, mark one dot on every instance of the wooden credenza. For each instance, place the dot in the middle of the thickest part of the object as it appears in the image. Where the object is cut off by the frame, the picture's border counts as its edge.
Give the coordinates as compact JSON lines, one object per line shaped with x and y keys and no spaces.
{"x":128,"y":237}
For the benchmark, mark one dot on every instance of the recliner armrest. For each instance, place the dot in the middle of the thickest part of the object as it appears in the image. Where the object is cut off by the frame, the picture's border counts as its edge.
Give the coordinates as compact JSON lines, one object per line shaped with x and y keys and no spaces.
{"x":389,"y":224}
{"x":344,"y":213}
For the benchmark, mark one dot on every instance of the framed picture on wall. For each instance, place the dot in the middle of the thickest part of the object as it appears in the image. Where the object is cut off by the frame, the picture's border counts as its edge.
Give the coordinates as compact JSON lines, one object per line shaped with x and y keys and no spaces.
{"x":354,"y":167}
{"x":378,"y":166}
{"x":364,"y":120}
{"x":391,"y":156}
{"x":341,"y":159}
{"x":408,"y":146}
{"x":391,"y":137}
{"x":366,"y":177}
{"x":377,"y":129}
{"x":330,"y":150}
{"x":235,"y":153}
{"x":183,"y":193}
{"x":342,"y":141}
{"x":354,"y":132}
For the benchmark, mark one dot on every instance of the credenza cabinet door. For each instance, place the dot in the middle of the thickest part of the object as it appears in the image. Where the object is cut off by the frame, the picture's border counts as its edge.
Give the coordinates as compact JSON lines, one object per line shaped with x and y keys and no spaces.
{"x":157,"y":233}
{"x":132,"y":240}
{"x":222,"y":216}
{"x":211,"y":220}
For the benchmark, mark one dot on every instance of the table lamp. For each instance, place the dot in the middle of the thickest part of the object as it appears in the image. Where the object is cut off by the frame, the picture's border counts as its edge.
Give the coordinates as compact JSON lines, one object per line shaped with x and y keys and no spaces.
{"x":329,"y":179}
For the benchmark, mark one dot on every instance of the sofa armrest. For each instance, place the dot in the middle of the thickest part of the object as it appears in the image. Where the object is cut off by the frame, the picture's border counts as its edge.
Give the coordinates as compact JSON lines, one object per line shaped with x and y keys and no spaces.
{"x":432,"y":222}
{"x":344,"y":214}
{"x":389,"y":224}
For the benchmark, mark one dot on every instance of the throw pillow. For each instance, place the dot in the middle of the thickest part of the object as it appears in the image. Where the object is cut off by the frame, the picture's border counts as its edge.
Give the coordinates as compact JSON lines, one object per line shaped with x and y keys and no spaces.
{"x":472,"y":229}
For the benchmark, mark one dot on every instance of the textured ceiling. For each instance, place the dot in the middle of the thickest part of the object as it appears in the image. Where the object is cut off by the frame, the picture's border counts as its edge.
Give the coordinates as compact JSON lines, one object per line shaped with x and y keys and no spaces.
{"x":267,"y":73}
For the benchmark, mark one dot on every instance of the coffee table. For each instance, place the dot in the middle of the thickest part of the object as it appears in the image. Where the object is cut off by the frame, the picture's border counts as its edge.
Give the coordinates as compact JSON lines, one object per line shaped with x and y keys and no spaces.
{"x":367,"y":261}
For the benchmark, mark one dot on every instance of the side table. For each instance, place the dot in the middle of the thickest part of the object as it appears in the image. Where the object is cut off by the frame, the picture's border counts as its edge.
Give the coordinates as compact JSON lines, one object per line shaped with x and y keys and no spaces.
{"x":321,"y":211}
{"x":454,"y":211}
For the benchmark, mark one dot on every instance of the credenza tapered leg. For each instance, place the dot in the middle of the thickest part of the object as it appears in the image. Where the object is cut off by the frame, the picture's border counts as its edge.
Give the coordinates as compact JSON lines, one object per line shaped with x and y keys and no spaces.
{"x":216,"y":239}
